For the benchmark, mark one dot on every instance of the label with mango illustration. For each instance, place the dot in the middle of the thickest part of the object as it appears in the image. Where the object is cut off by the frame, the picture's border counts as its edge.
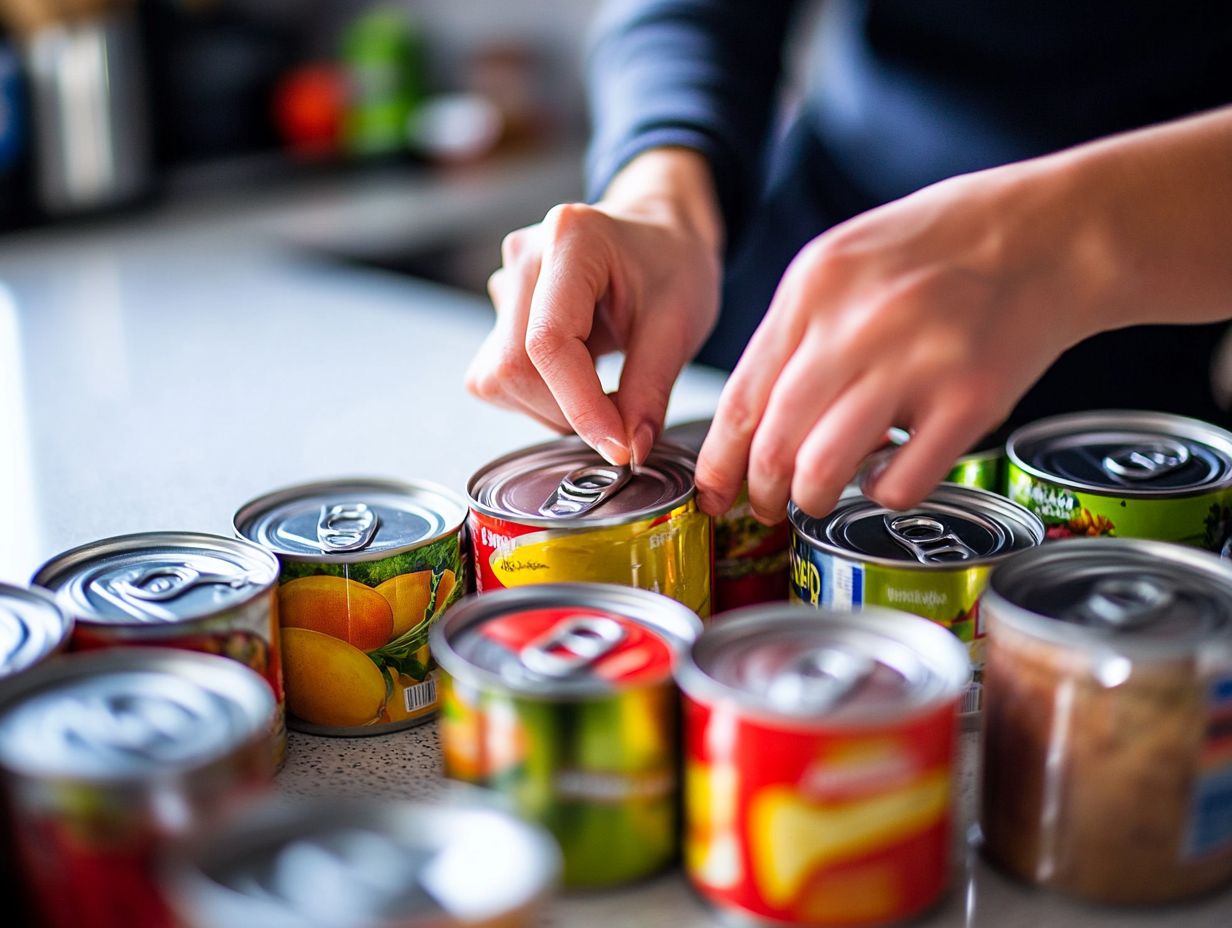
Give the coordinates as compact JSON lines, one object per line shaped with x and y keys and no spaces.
{"x":355,"y":637}
{"x":844,"y":827}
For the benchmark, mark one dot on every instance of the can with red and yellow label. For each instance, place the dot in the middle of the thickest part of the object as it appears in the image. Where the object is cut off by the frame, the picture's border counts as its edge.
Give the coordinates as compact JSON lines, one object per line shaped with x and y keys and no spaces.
{"x":558,"y":513}
{"x":819,"y":750}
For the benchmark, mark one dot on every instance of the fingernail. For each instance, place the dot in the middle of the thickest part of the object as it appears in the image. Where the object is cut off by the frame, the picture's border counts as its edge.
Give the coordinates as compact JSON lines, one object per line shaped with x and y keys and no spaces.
{"x":874,"y":466}
{"x":613,"y":451}
{"x":639,"y":448}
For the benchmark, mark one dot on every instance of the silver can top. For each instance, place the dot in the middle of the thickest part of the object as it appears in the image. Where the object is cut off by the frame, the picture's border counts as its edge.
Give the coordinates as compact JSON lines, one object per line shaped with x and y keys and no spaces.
{"x":564,"y":640}
{"x":690,"y":435}
{"x":129,"y":714}
{"x":365,"y":864}
{"x":157,"y":577}
{"x":1141,"y":598}
{"x":1126,"y":453}
{"x":32,"y":626}
{"x":955,"y":527}
{"x":566,"y":484}
{"x":796,"y":665}
{"x":350,"y":520}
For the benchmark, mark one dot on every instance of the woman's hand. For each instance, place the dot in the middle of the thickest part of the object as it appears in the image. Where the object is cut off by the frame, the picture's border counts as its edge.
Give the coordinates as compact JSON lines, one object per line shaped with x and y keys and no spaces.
{"x":638,"y":272}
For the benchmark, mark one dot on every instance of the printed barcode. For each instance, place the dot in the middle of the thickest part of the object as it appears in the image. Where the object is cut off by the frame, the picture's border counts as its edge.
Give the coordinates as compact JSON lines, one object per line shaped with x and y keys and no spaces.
{"x":420,"y":696}
{"x":972,"y":699}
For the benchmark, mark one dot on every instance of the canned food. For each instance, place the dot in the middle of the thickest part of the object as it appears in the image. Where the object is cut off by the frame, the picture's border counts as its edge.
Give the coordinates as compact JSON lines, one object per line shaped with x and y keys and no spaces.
{"x":174,"y":590}
{"x":819,"y":750}
{"x":367,"y":565}
{"x":561,"y":698}
{"x":932,"y":560}
{"x":1131,"y":474}
{"x":750,"y":559}
{"x":32,"y":628}
{"x":1108,"y":720}
{"x":983,"y":467}
{"x":366,"y":864}
{"x":107,"y":756}
{"x":558,"y":512}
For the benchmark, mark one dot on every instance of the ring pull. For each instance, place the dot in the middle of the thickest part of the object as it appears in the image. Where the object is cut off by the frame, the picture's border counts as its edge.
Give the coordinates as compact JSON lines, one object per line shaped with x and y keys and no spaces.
{"x":585,"y":489}
{"x":819,"y":679}
{"x":166,"y":582}
{"x":1146,"y":462}
{"x":570,"y":645}
{"x":346,"y":527}
{"x":1124,"y":604}
{"x":927,"y":539}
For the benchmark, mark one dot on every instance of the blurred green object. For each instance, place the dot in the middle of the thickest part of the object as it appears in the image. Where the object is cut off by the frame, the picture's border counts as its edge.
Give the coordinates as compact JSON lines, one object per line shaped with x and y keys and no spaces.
{"x":383,"y":52}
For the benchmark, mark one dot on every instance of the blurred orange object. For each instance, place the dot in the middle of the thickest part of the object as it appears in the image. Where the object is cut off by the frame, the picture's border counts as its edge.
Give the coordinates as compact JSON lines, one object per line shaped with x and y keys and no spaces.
{"x":308,"y":108}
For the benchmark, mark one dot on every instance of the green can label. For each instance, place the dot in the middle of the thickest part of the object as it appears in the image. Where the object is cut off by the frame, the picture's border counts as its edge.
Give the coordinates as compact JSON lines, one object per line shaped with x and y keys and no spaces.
{"x":1201,"y":520}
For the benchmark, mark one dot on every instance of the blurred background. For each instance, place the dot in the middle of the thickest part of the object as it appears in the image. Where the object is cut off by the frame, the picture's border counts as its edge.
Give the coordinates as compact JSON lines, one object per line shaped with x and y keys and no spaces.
{"x":355,"y":112}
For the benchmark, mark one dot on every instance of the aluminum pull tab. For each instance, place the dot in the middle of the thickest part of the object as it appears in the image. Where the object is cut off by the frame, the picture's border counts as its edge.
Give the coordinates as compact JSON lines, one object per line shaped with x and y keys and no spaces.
{"x":346,"y":527}
{"x":1146,"y":462}
{"x":570,"y":645}
{"x":1125,"y":603}
{"x":819,"y":679}
{"x":585,"y":489}
{"x":927,"y":539}
{"x":166,"y":582}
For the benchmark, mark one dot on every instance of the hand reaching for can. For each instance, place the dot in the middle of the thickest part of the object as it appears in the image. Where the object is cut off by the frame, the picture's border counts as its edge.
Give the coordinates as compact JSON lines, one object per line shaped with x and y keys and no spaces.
{"x":638,"y":272}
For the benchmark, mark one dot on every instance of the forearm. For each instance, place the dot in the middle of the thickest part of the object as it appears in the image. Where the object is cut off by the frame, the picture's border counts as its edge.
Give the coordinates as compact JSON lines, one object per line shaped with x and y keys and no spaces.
{"x":1150,"y":224}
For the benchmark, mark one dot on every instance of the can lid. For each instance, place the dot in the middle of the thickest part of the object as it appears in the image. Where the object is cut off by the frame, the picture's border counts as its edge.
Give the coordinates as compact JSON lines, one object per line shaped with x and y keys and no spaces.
{"x":126,"y":714}
{"x":357,"y":863}
{"x":1148,"y":598}
{"x":350,"y":520}
{"x":564,"y":639}
{"x":157,"y":577}
{"x":565,"y":482}
{"x":31,"y":627}
{"x":690,"y":435}
{"x":954,"y":526}
{"x":794,"y":663}
{"x":1134,"y":454}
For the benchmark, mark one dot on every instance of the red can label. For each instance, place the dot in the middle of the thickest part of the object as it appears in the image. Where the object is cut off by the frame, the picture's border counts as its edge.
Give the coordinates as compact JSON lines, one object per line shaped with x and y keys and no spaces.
{"x":839,"y":827}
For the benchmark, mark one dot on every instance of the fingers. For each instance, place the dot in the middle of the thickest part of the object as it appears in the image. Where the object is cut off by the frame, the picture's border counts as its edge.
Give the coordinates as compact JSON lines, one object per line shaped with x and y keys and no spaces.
{"x":653,"y":361}
{"x":574,"y":276}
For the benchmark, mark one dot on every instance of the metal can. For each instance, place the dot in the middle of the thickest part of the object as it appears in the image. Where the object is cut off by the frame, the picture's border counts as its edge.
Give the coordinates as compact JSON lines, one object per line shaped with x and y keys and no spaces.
{"x":560,"y":697}
{"x":174,"y":590}
{"x":1108,"y":720}
{"x":932,"y":560}
{"x":366,"y":863}
{"x":32,"y":628}
{"x":819,"y":750}
{"x":983,"y":467}
{"x":1125,"y":473}
{"x":558,"y":512}
{"x":106,"y":757}
{"x":750,"y":559}
{"x":367,"y":566}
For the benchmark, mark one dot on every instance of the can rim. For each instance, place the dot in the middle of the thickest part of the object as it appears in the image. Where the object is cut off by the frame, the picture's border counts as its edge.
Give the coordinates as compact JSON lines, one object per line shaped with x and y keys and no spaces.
{"x":1002,"y":609}
{"x":258,"y":505}
{"x":1004,"y":510}
{"x":1205,"y":433}
{"x":700,"y":686}
{"x":43,"y":599}
{"x":636,"y":605}
{"x":584,"y":524}
{"x":69,"y":564}
{"x":188,"y":664}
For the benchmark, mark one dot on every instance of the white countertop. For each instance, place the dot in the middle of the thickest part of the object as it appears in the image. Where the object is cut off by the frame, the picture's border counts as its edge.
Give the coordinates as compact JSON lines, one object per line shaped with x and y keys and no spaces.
{"x":154,"y":375}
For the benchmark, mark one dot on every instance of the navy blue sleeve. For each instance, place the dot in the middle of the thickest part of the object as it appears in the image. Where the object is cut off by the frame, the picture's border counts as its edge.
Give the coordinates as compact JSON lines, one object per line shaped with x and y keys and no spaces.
{"x":700,"y":74}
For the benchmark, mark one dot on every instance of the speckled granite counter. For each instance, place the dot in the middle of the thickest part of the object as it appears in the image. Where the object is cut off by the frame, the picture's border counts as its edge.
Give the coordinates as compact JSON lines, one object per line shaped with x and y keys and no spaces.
{"x":154,"y":378}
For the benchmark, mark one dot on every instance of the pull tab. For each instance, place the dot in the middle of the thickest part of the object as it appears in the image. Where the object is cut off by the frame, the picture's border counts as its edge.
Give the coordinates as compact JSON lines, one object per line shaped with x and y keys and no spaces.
{"x":1146,"y":462}
{"x":820,"y":679}
{"x":927,"y":538}
{"x":585,"y":489}
{"x":570,"y":645}
{"x":166,"y":582}
{"x":346,"y":527}
{"x":1125,"y":603}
